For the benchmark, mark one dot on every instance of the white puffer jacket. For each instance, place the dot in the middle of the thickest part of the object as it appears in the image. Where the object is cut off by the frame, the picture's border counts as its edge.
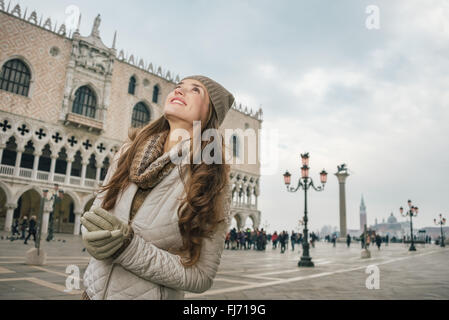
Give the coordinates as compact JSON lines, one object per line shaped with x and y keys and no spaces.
{"x":146,"y":270}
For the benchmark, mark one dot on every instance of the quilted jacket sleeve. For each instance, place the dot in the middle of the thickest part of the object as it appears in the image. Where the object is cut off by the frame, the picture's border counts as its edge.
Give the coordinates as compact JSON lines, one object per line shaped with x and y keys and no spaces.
{"x":162,"y":267}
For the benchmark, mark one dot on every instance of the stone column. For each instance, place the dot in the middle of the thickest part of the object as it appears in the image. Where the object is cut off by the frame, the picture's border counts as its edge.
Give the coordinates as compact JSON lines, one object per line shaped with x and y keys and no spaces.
{"x":76,"y":230}
{"x":240,"y":222}
{"x":45,"y":218}
{"x":99,"y":165}
{"x":2,"y":146}
{"x":84,"y":164}
{"x":18,"y":160}
{"x":35,"y":164}
{"x":68,"y":170}
{"x":52,"y":167}
{"x":341,"y":176}
{"x":9,"y":215}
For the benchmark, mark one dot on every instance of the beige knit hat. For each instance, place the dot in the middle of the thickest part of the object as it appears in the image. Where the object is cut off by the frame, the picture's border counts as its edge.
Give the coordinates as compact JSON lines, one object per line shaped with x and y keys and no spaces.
{"x":221,"y":98}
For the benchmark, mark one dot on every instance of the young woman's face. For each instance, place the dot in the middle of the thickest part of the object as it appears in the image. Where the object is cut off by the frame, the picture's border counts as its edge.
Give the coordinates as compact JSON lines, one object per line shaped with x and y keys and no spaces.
{"x":189,"y":101}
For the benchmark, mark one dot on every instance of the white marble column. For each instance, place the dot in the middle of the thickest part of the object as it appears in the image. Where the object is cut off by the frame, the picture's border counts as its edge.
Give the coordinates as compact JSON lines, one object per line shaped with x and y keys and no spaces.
{"x":18,"y":160}
{"x":99,"y":165}
{"x":35,"y":164}
{"x":45,"y":219}
{"x":68,"y":170}
{"x":9,"y":215}
{"x":52,"y":167}
{"x":239,"y":199}
{"x":341,"y":176}
{"x":84,"y":164}
{"x":2,"y":147}
{"x":76,"y":230}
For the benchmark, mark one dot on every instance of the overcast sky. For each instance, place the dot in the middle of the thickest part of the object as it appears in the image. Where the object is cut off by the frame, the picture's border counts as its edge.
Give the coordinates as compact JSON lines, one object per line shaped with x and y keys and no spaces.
{"x":375,"y":99}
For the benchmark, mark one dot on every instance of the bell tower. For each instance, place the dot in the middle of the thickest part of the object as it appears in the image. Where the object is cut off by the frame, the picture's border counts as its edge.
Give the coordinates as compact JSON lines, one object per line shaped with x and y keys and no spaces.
{"x":362,"y":214}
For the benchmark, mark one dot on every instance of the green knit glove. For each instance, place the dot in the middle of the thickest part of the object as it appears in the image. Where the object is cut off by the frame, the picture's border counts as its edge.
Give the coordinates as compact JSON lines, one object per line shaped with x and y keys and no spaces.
{"x":106,"y":234}
{"x":103,"y":244}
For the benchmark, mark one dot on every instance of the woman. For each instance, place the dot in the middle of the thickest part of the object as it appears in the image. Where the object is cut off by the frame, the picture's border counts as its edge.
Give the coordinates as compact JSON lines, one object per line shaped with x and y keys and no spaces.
{"x":157,"y":228}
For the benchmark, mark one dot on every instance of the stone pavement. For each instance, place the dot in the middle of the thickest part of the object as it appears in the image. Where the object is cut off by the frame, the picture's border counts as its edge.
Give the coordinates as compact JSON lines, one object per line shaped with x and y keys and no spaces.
{"x":339,"y":273}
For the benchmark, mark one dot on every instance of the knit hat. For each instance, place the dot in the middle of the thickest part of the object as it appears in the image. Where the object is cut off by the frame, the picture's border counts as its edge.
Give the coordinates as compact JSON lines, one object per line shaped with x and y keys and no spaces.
{"x":221,"y":98}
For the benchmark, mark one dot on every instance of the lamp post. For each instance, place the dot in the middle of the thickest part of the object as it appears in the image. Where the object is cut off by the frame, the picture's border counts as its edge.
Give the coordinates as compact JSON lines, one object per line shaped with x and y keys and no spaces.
{"x":56,"y":197}
{"x":412,"y":212}
{"x":305,"y":182}
{"x":441,"y":222}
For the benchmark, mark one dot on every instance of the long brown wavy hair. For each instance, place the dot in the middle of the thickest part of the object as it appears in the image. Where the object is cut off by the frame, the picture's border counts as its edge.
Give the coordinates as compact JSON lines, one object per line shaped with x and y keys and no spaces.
{"x":201,"y":210}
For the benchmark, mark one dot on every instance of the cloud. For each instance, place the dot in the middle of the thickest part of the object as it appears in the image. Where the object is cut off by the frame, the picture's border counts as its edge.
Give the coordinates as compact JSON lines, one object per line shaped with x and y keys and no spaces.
{"x":374,"y":99}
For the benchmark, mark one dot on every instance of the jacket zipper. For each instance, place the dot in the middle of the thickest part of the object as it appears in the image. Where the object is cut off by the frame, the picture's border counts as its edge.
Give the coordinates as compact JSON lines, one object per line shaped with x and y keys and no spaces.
{"x":107,"y":283}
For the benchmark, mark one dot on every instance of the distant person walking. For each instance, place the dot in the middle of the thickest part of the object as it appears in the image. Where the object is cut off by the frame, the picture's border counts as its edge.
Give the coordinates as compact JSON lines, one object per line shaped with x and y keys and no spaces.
{"x":293,"y":240}
{"x":31,"y":229}
{"x":24,"y":226}
{"x":282,"y":239}
{"x":378,"y":241}
{"x":228,"y":239}
{"x":15,"y":228}
{"x":274,"y":239}
{"x":233,"y":239}
{"x":362,"y":240}
{"x":334,"y":240}
{"x":348,"y":240}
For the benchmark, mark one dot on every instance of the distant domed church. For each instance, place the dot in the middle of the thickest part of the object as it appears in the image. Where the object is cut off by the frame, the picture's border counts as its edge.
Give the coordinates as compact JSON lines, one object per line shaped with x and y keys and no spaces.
{"x":392,"y":227}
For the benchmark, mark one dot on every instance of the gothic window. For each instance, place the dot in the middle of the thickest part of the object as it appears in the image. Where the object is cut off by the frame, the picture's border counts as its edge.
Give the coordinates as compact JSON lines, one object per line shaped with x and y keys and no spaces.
{"x":141,"y":115}
{"x":104,"y":169}
{"x":76,"y":165}
{"x":235,"y":146}
{"x":91,"y":169}
{"x":15,"y":77}
{"x":61,"y":162}
{"x":28,"y":156}
{"x":10,"y":152}
{"x":155,"y":93}
{"x":132,"y":85}
{"x":45,"y":159}
{"x":85,"y":102}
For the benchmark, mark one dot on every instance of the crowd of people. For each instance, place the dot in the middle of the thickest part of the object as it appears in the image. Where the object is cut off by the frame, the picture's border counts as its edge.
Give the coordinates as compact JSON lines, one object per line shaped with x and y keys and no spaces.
{"x":258,"y":239}
{"x":19,"y":229}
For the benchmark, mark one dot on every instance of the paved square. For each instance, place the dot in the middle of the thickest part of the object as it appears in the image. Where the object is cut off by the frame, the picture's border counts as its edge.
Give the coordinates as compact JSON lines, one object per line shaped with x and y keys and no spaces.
{"x":339,"y":273}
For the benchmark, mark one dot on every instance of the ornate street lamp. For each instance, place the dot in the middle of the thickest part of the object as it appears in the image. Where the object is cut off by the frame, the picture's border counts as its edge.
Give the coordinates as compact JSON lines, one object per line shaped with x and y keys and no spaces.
{"x":411,"y":212}
{"x":305,"y":182}
{"x":441,"y":222}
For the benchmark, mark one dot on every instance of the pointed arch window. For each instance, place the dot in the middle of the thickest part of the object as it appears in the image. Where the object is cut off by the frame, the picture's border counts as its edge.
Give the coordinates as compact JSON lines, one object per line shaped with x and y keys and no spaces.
{"x":141,"y":115}
{"x":85,"y":102}
{"x":132,"y":85}
{"x":235,"y":145}
{"x":15,"y":77}
{"x":155,"y":93}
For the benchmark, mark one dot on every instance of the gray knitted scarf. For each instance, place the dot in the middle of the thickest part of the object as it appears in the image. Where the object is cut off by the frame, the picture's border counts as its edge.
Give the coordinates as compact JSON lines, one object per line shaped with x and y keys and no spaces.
{"x":150,"y":164}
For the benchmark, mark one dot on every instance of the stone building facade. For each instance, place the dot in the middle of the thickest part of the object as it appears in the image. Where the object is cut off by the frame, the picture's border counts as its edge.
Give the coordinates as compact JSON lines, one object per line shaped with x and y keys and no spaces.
{"x":67,"y":102}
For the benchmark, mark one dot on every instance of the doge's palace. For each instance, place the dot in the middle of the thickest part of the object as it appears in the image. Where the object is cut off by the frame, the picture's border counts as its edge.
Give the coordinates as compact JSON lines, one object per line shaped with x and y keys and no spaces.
{"x":67,"y":102}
